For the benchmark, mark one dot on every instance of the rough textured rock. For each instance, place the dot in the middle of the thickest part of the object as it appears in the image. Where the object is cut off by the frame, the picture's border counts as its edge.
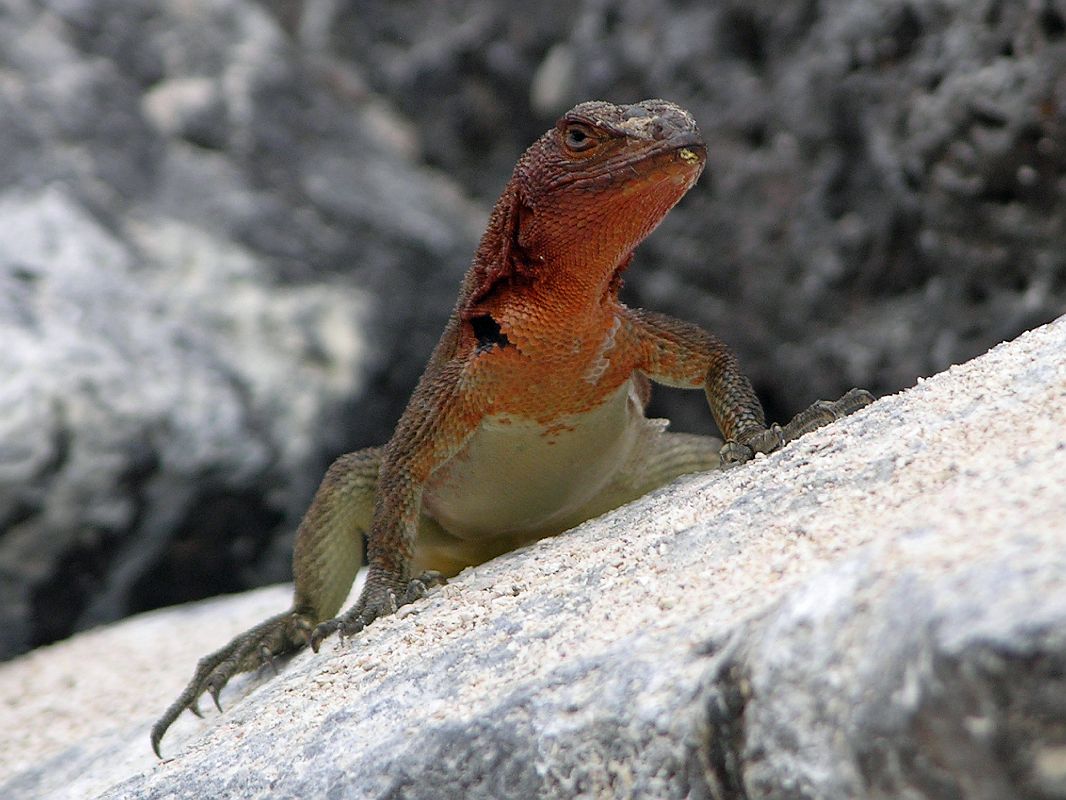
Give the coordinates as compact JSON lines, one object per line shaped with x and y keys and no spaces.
{"x":877,"y":611}
{"x":197,"y":229}
{"x":142,"y":414}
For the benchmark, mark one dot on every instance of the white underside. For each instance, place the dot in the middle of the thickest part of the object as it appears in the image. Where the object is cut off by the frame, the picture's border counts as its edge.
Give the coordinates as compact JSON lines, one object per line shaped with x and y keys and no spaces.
{"x":515,"y":483}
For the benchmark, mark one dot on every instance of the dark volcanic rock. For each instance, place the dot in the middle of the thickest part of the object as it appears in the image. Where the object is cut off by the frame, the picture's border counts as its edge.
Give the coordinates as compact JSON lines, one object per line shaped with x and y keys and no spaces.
{"x":208,"y":250}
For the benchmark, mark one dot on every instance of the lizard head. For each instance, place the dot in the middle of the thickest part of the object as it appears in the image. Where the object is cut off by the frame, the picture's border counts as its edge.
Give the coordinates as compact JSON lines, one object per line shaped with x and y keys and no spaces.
{"x":586,"y":193}
{"x":603,"y":178}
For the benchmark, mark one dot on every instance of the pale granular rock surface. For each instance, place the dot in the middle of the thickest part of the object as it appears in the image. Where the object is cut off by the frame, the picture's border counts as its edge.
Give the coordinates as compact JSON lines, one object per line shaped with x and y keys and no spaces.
{"x":879,"y":610}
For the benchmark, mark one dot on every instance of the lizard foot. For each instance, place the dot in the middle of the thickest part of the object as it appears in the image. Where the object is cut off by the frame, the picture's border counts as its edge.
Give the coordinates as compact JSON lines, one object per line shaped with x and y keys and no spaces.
{"x":776,"y":436}
{"x":256,"y":647}
{"x":375,"y":602}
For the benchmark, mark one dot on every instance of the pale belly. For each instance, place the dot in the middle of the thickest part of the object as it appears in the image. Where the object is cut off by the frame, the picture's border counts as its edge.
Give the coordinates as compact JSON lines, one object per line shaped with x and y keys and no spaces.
{"x":514,"y":482}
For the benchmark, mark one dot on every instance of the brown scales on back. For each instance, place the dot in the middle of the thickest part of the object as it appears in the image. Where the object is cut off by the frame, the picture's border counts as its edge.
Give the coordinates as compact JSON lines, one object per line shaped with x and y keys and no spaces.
{"x":529,"y":417}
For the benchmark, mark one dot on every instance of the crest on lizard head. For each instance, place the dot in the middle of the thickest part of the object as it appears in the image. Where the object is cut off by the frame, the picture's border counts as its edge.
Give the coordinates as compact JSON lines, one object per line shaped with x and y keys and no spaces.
{"x":586,"y":193}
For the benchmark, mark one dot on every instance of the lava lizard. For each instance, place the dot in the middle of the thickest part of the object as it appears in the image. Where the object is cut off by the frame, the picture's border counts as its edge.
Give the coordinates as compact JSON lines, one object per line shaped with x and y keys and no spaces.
{"x":529,"y":417}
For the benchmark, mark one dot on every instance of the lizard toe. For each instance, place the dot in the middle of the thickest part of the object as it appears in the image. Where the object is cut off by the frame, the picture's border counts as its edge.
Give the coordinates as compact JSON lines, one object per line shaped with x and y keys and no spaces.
{"x":350,"y":627}
{"x":733,"y":453}
{"x":303,"y":628}
{"x":322,"y":631}
{"x":420,"y":586}
{"x":256,"y":647}
{"x":214,"y":688}
{"x":266,"y":658}
{"x":380,"y":604}
{"x":823,"y":412}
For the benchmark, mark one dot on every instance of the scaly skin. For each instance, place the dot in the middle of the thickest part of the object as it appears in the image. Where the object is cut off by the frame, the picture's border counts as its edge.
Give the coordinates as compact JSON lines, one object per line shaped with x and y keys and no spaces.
{"x":529,"y":417}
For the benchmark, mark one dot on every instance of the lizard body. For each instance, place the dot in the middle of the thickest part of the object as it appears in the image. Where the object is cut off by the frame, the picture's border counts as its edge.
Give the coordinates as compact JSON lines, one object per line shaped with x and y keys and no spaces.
{"x":529,"y":417}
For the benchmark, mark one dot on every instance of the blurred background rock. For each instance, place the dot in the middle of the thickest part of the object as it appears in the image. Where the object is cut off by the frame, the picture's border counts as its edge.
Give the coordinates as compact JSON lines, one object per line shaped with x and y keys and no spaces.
{"x":230,"y":233}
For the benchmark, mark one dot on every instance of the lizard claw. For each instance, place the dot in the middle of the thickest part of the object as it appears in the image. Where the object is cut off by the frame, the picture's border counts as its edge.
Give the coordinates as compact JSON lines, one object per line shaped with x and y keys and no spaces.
{"x":282,"y":633}
{"x":215,"y":689}
{"x":323,"y":630}
{"x":375,"y":603}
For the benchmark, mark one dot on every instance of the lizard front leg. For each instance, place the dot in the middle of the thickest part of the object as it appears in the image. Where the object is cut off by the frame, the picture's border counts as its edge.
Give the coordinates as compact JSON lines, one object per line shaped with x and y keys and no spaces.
{"x":678,"y":353}
{"x":438,"y":420}
{"x":328,"y":553}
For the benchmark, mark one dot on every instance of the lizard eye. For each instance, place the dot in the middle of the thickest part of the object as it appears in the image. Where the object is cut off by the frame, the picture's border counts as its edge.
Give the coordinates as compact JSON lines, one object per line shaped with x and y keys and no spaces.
{"x":578,"y":138}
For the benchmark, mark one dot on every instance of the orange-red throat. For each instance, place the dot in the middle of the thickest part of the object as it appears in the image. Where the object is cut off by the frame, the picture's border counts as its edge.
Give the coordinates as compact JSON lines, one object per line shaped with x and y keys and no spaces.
{"x":546,"y":275}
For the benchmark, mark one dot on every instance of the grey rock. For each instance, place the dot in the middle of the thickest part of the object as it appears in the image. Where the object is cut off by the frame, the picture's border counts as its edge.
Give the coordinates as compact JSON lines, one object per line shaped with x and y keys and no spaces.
{"x":879,"y":610}
{"x":188,"y":108}
{"x":140,"y":413}
{"x":209,"y":253}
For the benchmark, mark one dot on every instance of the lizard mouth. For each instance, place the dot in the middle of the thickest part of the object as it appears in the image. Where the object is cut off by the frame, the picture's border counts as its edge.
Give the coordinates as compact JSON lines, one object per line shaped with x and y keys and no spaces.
{"x":684,"y":149}
{"x":689,"y":147}
{"x":681,"y":161}
{"x":681,"y":158}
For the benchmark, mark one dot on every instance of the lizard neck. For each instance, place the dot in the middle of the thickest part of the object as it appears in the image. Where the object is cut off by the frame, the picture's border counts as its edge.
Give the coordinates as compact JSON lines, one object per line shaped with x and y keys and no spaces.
{"x":557,"y":320}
